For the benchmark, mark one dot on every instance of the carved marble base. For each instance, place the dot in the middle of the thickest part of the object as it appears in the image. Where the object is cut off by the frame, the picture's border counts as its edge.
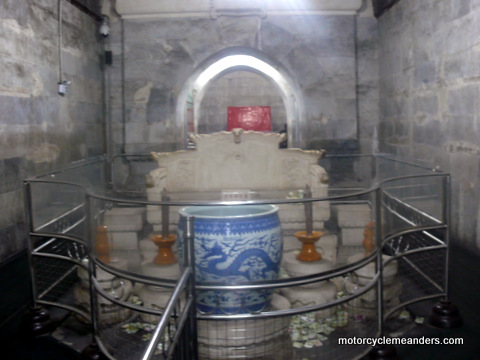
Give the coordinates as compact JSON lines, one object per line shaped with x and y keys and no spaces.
{"x":367,"y":272}
{"x":366,"y":305}
{"x":296,"y":268}
{"x":153,"y":297}
{"x":309,"y":294}
{"x":156,"y":297}
{"x":109,"y":313}
{"x":233,"y":339}
{"x":358,"y":307}
{"x":102,"y":276}
{"x":301,"y":296}
{"x":390,"y":291}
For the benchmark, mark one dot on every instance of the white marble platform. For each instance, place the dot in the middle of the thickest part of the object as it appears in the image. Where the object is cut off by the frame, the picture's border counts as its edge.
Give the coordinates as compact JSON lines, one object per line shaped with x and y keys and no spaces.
{"x":352,"y":216}
{"x":125,"y":219}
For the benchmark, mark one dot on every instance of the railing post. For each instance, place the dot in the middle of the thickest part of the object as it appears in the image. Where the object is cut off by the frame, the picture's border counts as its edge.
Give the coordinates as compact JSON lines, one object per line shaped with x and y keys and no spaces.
{"x":189,"y":260}
{"x":446,"y":220}
{"x":92,"y":351}
{"x":445,"y":314}
{"x":38,"y":318}
{"x":30,"y":247}
{"x":383,"y":351}
{"x":379,"y":264}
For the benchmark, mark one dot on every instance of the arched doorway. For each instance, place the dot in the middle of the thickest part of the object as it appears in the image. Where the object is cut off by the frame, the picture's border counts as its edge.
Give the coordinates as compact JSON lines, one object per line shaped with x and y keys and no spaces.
{"x":239,"y":92}
{"x":238,"y":65}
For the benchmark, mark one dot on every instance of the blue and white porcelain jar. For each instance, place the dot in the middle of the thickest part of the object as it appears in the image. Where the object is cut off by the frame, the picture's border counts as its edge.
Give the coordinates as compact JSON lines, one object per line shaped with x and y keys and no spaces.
{"x":234,"y":245}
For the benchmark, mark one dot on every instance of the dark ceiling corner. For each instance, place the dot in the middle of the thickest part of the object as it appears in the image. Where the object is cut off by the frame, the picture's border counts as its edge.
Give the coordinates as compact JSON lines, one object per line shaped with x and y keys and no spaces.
{"x":380,"y":6}
{"x":90,"y":7}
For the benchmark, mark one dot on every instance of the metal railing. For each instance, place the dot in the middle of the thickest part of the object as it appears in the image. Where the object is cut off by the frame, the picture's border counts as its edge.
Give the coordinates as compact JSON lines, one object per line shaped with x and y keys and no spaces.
{"x":406,"y":224}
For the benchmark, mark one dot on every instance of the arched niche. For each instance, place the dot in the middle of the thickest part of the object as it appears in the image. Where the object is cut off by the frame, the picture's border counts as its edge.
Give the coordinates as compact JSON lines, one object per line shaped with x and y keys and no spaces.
{"x":238,"y":87}
{"x":234,"y":61}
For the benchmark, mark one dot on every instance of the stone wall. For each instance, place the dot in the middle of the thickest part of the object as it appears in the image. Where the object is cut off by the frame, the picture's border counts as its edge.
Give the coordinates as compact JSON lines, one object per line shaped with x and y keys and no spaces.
{"x":317,"y":51}
{"x":39,"y":129}
{"x":367,"y":83}
{"x":430,"y":86}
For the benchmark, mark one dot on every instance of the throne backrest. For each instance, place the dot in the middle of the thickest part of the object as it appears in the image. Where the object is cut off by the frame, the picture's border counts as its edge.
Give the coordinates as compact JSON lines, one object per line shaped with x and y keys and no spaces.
{"x":237,"y":160}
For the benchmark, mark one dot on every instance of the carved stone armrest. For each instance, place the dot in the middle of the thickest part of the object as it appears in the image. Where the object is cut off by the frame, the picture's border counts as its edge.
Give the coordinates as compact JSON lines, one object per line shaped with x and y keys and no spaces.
{"x":318,"y":181}
{"x":156,"y":179}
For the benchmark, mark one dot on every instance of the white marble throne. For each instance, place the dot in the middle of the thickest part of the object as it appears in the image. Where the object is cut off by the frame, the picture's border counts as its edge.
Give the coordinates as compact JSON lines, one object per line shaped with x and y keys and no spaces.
{"x":239,"y":164}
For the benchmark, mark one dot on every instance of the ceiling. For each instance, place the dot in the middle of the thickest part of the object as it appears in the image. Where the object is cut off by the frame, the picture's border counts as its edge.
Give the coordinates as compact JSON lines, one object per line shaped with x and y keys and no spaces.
{"x":213,"y":8}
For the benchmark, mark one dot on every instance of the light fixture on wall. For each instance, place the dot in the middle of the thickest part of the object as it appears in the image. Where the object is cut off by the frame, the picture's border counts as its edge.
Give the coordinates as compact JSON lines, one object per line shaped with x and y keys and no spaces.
{"x":104,"y":28}
{"x":63,"y":84}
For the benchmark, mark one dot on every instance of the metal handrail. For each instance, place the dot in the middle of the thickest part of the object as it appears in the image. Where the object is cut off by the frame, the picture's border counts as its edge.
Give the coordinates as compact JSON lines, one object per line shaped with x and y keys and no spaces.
{"x":169,"y":309}
{"x":91,"y":193}
{"x":378,"y":188}
{"x":296,"y":311}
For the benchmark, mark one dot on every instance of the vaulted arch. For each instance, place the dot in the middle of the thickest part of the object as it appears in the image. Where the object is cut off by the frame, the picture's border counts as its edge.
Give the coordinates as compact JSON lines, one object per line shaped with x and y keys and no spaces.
{"x":228,"y":61}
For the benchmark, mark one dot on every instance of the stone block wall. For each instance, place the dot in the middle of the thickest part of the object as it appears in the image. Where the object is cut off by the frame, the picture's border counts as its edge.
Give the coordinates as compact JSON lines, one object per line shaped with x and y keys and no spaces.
{"x":330,"y":57}
{"x":430,"y":86}
{"x":319,"y":52}
{"x":39,"y":129}
{"x":367,"y":83}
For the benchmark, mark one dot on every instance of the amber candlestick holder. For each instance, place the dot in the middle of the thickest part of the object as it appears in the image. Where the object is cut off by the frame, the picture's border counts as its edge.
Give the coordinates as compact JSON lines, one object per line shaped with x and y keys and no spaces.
{"x":368,"y":242}
{"x":308,"y":253}
{"x":165,"y":255}
{"x":308,"y":238}
{"x":164,"y":241}
{"x":102,"y":245}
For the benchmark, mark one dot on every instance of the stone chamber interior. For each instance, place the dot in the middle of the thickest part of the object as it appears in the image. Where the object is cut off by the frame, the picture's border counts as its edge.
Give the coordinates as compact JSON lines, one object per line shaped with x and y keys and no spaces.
{"x":368,"y":77}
